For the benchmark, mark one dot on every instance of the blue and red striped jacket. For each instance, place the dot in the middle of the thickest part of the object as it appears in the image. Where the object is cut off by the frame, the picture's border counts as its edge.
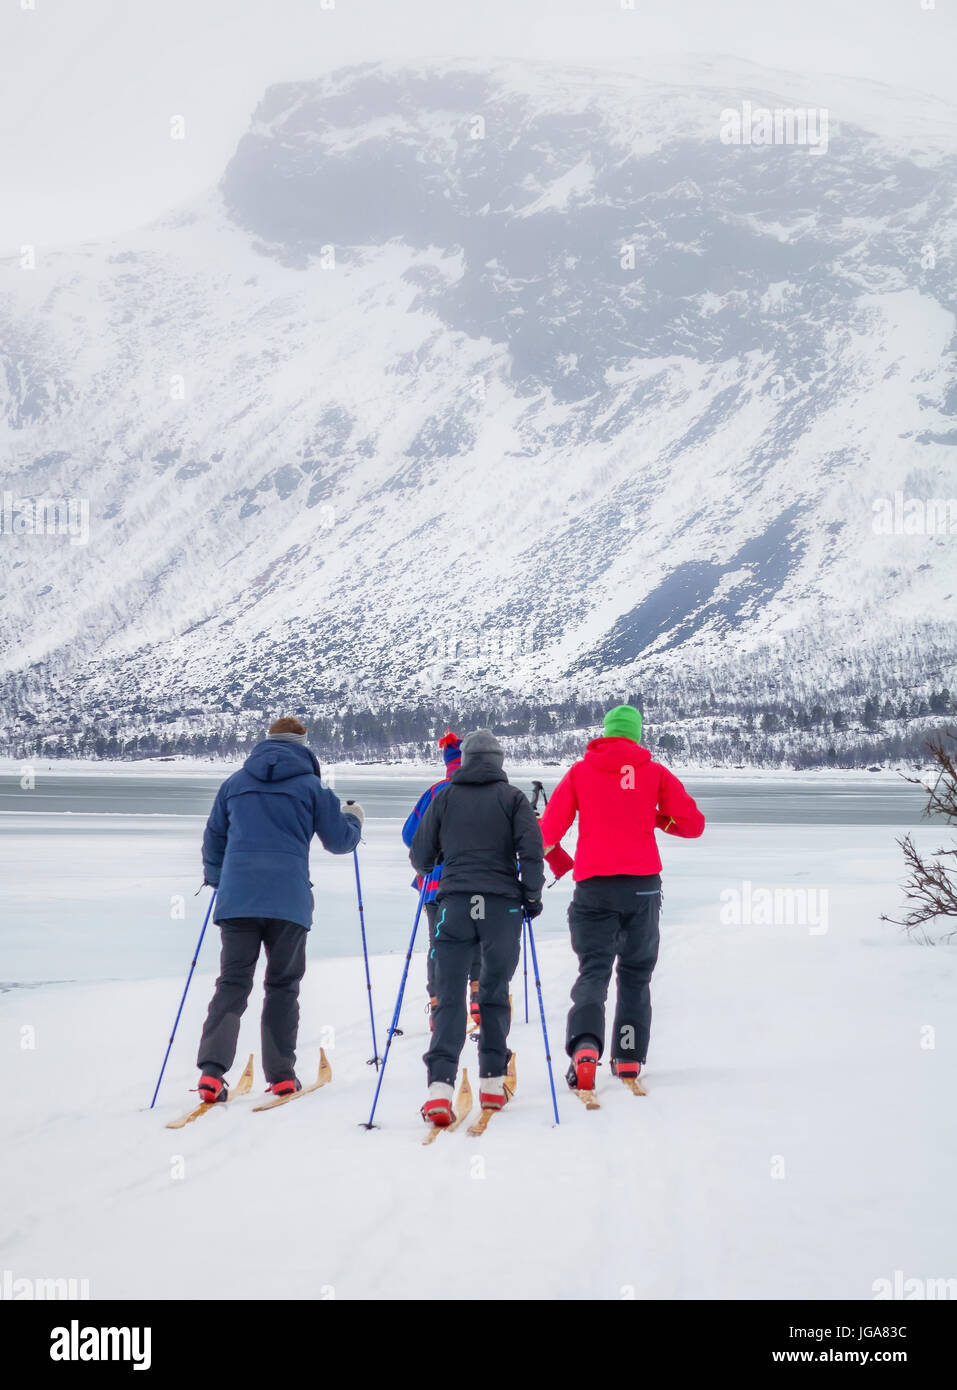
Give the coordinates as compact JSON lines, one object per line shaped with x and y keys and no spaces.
{"x":408,"y":834}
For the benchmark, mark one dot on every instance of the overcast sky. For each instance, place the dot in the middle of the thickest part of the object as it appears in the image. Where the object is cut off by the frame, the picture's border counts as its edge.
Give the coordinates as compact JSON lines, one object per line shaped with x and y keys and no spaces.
{"x":88,"y":87}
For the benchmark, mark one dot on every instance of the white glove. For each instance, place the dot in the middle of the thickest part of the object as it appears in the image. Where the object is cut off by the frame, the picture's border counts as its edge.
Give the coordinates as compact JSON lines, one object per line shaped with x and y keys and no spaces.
{"x":352,"y":808}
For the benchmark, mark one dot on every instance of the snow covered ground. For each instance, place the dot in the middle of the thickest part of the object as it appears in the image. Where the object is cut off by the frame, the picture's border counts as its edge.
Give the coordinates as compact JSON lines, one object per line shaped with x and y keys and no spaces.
{"x":798,"y":1140}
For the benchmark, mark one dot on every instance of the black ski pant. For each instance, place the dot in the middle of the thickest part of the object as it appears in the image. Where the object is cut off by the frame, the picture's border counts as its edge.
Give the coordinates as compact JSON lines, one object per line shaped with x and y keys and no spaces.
{"x":614,"y":917}
{"x":494,"y":923}
{"x":285,"y":944}
{"x":475,"y":965}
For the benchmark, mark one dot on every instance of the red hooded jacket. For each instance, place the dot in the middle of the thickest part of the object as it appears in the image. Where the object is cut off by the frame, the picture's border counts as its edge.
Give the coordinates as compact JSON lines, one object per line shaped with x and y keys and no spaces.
{"x":620,"y":797}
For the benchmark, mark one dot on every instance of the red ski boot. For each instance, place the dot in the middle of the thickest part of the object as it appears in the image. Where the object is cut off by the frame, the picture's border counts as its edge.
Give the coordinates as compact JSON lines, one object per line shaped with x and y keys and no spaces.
{"x":284,"y":1088}
{"x":628,"y":1071}
{"x":212,"y":1089}
{"x":492,"y":1093}
{"x":581,"y":1073}
{"x":437,"y":1110}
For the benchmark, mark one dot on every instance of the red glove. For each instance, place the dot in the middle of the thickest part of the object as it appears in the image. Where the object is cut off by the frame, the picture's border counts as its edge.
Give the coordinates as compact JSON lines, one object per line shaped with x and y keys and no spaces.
{"x":559,"y":861}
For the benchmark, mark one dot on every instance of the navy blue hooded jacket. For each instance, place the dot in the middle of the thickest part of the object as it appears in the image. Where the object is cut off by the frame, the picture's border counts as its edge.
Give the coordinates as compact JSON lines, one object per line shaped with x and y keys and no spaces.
{"x":256,"y":845}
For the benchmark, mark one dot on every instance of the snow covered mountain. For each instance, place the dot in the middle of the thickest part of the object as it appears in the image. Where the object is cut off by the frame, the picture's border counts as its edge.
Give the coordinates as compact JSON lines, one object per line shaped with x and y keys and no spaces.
{"x":494,"y":376}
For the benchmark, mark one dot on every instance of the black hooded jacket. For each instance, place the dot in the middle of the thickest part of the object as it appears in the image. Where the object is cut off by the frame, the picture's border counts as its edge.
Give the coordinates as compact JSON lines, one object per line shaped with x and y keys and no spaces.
{"x":478,"y":828}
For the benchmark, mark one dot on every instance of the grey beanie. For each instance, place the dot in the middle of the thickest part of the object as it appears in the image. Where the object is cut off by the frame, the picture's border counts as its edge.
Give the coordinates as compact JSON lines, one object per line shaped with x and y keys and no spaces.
{"x":482,"y":743}
{"x":288,"y":738}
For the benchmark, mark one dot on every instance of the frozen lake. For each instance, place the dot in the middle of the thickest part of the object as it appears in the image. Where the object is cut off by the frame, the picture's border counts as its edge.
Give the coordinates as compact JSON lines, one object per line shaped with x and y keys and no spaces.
{"x":785,"y":800}
{"x":100,"y":868}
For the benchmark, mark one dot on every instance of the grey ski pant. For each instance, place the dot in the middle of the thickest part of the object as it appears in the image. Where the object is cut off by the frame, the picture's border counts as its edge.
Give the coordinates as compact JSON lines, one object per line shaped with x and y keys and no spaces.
{"x":614,"y":918}
{"x":285,"y":944}
{"x":475,"y":965}
{"x":495,"y":923}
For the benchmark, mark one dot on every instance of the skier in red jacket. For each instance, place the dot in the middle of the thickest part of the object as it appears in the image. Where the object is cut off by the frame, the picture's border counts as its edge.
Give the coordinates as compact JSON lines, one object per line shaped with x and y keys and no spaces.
{"x":621,"y":798}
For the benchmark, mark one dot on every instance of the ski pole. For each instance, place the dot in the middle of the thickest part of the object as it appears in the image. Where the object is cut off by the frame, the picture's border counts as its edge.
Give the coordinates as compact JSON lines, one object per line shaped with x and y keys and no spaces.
{"x":525,"y":961}
{"x":541,"y":1006}
{"x":518,"y":866}
{"x":183,"y":1000}
{"x":374,"y":1059}
{"x":393,"y":1026}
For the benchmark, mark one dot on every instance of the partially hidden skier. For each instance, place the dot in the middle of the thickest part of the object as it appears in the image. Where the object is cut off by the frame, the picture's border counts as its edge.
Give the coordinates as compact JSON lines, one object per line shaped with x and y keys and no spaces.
{"x":481,"y":829}
{"x":256,"y":854}
{"x":621,"y":797}
{"x":451,"y":746}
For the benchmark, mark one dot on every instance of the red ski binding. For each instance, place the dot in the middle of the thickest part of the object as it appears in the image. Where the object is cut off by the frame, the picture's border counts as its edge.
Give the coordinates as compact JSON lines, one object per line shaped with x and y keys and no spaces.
{"x":438,"y":1112}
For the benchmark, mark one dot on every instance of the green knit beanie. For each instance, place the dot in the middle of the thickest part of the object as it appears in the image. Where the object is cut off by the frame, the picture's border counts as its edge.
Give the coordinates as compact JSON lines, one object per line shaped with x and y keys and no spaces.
{"x":624,"y":721}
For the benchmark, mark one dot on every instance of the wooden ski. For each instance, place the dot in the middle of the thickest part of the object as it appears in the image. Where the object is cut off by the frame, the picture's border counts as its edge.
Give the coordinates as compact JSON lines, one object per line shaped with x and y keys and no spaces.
{"x":243,"y":1085}
{"x":481,"y":1122}
{"x":323,"y":1079}
{"x":634,"y":1085}
{"x":588,"y":1099}
{"x":463,"y":1109}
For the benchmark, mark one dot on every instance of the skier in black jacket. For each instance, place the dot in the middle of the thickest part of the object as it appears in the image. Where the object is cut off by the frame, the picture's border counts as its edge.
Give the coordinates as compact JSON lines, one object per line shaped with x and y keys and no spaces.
{"x":486,"y":834}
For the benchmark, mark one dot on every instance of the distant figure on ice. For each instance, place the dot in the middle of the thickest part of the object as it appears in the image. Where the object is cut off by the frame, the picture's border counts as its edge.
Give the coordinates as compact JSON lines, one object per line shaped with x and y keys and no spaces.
{"x":451,"y":746}
{"x":256,"y":853}
{"x":477,"y":829}
{"x":620,"y":797}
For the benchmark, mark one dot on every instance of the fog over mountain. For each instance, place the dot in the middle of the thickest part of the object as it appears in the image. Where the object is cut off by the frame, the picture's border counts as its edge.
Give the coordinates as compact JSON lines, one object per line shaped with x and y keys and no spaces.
{"x":473,"y":377}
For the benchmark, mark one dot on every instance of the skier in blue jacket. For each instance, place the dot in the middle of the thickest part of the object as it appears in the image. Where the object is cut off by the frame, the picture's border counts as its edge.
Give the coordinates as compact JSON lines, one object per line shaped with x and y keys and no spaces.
{"x":256,"y":854}
{"x":451,"y":746}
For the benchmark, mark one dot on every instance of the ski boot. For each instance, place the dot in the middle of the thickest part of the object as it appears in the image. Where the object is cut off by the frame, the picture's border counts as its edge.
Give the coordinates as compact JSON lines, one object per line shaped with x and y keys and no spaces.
{"x":212,"y":1089}
{"x":437,"y":1110}
{"x":581,"y":1074}
{"x":492,"y":1093}
{"x":628,"y":1071}
{"x":284,"y":1088}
